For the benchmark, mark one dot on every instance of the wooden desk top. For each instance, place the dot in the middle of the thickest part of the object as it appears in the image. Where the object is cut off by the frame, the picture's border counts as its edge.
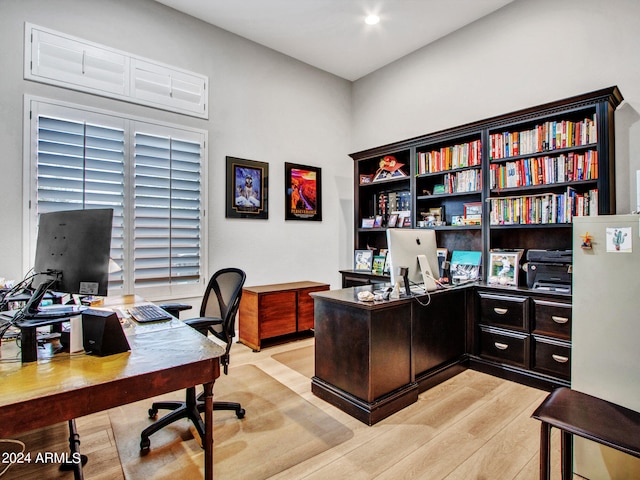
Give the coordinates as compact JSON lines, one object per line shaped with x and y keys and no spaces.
{"x":164,"y":357}
{"x":280,"y":287}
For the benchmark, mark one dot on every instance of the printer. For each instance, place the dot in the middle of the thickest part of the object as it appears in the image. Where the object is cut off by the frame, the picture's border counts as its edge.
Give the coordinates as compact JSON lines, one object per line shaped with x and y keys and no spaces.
{"x":549,"y":270}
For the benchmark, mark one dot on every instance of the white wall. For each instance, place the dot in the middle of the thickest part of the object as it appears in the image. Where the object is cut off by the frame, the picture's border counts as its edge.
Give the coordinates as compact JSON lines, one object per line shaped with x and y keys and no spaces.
{"x":263,"y":106}
{"x":525,"y":54}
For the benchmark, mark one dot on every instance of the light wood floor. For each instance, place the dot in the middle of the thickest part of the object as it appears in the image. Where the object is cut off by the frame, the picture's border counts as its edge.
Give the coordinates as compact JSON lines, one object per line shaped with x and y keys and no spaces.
{"x":473,"y":426}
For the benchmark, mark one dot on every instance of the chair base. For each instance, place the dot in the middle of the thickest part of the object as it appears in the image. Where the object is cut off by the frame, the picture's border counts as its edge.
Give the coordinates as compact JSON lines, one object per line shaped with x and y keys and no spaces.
{"x":191,"y":408}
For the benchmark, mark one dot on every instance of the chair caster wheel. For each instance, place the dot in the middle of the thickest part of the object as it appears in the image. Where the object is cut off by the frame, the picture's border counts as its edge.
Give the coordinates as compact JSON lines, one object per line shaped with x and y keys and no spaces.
{"x":240,"y":413}
{"x":145,"y":446}
{"x":153,"y":413}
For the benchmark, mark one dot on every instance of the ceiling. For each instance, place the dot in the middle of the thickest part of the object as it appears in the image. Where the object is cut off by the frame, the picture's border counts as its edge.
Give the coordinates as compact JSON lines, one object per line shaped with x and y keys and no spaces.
{"x":331,"y":34}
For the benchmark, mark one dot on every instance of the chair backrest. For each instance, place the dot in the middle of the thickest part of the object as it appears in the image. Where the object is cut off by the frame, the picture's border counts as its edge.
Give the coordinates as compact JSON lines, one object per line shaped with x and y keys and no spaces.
{"x":222,"y":299}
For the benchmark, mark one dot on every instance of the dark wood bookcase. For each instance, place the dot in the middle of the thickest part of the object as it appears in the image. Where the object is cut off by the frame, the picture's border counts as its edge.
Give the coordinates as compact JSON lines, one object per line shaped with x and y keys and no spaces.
{"x":424,"y":186}
{"x":536,"y":165}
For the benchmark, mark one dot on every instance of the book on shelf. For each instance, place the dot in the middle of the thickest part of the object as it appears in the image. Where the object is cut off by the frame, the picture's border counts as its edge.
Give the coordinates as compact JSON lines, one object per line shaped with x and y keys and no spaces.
{"x":546,"y":170}
{"x":546,"y":208}
{"x":551,"y":135}
{"x":450,"y":158}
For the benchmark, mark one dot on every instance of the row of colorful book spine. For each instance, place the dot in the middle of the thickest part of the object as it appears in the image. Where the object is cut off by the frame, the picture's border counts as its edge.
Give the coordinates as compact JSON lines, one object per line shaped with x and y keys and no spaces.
{"x":547,"y":208}
{"x":527,"y":172}
{"x":449,"y":158}
{"x":463,"y":182}
{"x":550,"y":135}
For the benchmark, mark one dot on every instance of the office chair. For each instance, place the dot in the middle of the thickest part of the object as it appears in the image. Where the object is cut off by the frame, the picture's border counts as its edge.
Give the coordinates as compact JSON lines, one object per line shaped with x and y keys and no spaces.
{"x":217,"y":316}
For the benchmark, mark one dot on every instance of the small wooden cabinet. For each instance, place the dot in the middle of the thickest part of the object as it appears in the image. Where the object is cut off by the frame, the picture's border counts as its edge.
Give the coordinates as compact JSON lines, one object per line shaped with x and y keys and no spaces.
{"x":268,"y":311}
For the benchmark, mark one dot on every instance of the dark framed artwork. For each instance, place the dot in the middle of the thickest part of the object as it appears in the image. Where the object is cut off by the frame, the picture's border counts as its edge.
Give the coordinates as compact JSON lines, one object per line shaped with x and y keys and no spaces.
{"x":303,"y":199}
{"x":247,"y":189}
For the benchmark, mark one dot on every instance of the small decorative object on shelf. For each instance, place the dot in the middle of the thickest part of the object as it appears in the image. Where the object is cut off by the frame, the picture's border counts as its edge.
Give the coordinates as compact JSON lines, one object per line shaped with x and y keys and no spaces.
{"x":389,"y":168}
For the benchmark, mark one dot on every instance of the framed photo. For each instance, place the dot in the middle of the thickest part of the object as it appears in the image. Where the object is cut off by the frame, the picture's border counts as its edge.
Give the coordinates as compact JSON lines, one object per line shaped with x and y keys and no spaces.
{"x":377,"y":221}
{"x":363,"y":260}
{"x":393,"y":220}
{"x":503,"y":268}
{"x":247,"y":189}
{"x":365,"y":179}
{"x":368,"y":222}
{"x":378,"y":264}
{"x":473,"y":213}
{"x":303,"y":199}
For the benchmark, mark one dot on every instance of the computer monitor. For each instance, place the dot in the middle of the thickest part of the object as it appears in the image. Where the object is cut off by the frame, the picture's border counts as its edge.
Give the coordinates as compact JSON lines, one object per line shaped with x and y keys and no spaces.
{"x":72,"y":254}
{"x":405,"y":246}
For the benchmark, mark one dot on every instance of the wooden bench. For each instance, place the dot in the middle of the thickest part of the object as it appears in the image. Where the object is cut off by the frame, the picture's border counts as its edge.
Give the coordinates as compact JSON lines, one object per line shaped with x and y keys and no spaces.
{"x":576,"y":413}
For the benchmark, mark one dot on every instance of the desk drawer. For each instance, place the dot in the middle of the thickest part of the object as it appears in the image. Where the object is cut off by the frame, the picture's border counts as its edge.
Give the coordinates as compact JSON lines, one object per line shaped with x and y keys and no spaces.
{"x":552,"y":319}
{"x":503,"y":346}
{"x":552,"y":357}
{"x":504,"y":310}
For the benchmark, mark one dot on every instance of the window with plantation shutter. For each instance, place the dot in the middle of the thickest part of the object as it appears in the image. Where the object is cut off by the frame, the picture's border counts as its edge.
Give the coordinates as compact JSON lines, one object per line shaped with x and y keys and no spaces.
{"x":166,"y":231}
{"x":150,"y":174}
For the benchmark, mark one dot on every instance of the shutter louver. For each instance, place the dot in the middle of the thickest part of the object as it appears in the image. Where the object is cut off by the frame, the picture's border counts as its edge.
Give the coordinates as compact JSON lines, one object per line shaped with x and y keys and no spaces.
{"x":81,"y":166}
{"x":167,"y":205}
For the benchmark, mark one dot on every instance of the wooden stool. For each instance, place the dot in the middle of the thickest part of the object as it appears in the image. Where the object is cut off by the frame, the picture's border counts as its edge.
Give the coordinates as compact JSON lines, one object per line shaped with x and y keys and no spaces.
{"x":576,"y":413}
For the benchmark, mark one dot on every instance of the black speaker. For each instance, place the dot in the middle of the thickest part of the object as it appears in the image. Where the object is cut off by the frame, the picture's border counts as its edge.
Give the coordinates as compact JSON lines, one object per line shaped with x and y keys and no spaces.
{"x":102,"y":333}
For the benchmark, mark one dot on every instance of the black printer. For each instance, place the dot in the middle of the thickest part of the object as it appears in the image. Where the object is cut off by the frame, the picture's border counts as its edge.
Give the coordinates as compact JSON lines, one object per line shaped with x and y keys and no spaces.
{"x":549,"y":270}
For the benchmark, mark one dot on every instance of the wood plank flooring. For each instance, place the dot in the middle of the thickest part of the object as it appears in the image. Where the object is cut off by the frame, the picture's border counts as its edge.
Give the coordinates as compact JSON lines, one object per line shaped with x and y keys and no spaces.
{"x":473,"y":426}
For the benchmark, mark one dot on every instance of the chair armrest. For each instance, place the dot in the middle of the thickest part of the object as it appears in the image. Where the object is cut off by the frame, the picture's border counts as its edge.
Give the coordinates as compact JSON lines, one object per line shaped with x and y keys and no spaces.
{"x":203,"y":322}
{"x":175,"y":308}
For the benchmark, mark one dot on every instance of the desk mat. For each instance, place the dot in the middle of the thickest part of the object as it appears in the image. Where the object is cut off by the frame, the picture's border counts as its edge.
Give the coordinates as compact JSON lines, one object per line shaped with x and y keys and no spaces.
{"x":280,"y":430}
{"x":301,"y":360}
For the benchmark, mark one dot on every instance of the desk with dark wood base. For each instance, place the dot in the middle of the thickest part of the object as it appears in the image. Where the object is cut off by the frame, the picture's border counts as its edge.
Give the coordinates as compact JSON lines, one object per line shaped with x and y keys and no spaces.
{"x":373,"y":358}
{"x":164,"y":357}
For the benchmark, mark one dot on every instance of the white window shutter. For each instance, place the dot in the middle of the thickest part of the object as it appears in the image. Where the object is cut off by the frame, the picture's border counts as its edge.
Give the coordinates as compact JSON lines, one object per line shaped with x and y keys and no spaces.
{"x":164,"y":86}
{"x":78,"y":65}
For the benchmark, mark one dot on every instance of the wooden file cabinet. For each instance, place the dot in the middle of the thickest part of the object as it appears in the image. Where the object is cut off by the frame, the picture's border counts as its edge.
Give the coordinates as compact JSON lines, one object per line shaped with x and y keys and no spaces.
{"x":268,"y":311}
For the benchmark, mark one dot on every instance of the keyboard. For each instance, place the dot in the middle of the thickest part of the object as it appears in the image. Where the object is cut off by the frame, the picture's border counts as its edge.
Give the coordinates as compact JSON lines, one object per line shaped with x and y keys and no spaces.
{"x":148,"y":313}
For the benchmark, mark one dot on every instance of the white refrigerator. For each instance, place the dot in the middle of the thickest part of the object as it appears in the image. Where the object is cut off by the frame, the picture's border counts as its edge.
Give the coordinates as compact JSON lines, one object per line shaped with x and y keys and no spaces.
{"x":606,"y":329}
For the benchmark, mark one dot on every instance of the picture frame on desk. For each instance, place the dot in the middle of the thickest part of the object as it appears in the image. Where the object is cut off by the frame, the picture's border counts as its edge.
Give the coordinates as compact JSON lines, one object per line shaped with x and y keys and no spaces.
{"x":504,"y":268}
{"x":303,"y":196}
{"x":247,"y":188}
{"x":363,"y":260}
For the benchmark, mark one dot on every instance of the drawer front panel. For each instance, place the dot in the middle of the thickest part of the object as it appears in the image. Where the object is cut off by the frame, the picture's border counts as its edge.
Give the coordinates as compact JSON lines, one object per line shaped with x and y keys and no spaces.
{"x":504,"y":347}
{"x":277,"y":313}
{"x":505,"y":311}
{"x":552,"y":357}
{"x":552,"y":319}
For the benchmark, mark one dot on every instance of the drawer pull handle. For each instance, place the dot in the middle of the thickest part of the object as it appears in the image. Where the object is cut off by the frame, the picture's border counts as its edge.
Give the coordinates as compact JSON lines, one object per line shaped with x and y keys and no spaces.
{"x":558,"y":319}
{"x":560,"y":358}
{"x":500,"y":311}
{"x":501,"y":346}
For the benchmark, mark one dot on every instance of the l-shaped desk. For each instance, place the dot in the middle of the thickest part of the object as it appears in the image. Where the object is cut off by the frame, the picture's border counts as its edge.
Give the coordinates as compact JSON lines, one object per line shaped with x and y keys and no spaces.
{"x":373,"y":358}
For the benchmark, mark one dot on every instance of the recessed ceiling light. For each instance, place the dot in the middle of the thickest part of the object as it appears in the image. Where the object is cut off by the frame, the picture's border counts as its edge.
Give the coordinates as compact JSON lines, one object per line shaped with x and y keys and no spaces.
{"x":371,"y":19}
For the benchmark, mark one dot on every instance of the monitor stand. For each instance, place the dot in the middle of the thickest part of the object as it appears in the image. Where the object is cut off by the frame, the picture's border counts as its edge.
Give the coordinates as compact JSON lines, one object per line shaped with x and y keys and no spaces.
{"x":428,"y":278}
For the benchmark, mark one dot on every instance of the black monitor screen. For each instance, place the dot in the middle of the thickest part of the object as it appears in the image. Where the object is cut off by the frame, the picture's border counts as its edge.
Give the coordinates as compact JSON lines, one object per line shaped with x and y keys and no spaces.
{"x":73,"y":247}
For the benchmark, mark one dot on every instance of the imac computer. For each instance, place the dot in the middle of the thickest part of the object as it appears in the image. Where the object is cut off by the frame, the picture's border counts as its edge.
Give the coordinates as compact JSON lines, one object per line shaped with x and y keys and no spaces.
{"x":415,"y":250}
{"x":72,"y":256}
